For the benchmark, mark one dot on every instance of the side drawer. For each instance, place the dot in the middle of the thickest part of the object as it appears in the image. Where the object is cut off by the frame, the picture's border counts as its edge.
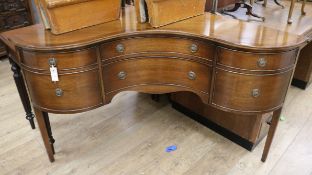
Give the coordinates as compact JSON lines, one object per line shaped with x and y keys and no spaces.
{"x":251,"y":61}
{"x":63,"y":61}
{"x":164,"y":72}
{"x":157,"y":45}
{"x":73,"y":92}
{"x":248,"y":92}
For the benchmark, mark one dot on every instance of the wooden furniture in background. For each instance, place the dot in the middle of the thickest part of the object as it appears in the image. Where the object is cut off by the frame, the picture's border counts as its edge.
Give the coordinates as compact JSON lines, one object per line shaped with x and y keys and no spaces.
{"x":13,"y":14}
{"x":202,"y":55}
{"x":221,"y":4}
{"x":243,"y":4}
{"x":65,"y":16}
{"x":265,"y":2}
{"x":163,"y":12}
{"x":291,"y":10}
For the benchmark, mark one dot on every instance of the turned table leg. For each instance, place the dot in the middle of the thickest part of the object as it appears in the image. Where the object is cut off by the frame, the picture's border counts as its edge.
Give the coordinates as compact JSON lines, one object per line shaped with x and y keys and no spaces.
{"x":273,"y":126}
{"x":45,"y":129}
{"x":21,"y":88}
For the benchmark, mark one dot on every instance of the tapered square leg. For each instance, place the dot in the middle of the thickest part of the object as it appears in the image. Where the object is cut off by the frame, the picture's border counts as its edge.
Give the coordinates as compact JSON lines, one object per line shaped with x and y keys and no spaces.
{"x":273,"y":126}
{"x":49,"y":130}
{"x":44,"y":130}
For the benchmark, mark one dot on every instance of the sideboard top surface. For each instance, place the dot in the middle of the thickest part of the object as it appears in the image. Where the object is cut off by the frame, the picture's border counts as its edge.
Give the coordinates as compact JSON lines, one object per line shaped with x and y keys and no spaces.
{"x":211,"y":27}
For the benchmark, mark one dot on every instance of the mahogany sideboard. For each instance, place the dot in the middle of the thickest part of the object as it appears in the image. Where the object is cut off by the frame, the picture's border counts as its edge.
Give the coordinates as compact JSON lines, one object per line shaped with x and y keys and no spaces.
{"x":210,"y":56}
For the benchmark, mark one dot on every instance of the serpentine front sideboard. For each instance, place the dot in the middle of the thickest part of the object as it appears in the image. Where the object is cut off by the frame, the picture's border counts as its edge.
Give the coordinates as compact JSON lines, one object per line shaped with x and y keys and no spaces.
{"x":209,"y":55}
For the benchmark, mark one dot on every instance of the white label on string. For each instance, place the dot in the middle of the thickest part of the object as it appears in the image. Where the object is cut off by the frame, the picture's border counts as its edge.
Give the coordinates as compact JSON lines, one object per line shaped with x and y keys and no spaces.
{"x":54,"y":74}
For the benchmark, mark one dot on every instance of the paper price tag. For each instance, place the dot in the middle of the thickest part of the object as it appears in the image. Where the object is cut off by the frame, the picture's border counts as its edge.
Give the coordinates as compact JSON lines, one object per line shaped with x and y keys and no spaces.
{"x":54,"y":74}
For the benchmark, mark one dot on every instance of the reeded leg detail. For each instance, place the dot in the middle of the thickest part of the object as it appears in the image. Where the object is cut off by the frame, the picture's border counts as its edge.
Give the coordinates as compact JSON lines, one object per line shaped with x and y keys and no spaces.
{"x":49,"y":130}
{"x":42,"y":123}
{"x":21,"y":88}
{"x":273,"y":126}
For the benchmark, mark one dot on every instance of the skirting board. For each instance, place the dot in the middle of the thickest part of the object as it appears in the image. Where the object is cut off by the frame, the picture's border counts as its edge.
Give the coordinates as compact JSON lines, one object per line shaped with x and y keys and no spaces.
{"x":299,"y":84}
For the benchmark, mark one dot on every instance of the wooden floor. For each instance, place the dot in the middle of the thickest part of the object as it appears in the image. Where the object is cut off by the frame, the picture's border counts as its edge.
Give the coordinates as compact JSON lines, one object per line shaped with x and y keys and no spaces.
{"x":129,"y":136}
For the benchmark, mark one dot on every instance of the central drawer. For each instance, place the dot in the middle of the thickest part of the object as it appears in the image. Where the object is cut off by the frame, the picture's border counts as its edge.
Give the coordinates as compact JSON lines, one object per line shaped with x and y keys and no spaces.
{"x":181,"y":74}
{"x":157,"y":45}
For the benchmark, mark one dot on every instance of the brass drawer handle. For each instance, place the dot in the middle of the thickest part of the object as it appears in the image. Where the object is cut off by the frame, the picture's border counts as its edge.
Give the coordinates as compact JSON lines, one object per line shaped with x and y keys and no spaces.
{"x":262,"y":62}
{"x":120,"y":48}
{"x":194,"y":48}
{"x":59,"y":92}
{"x":192,"y":75}
{"x":52,"y":62}
{"x":255,"y":93}
{"x":122,"y":75}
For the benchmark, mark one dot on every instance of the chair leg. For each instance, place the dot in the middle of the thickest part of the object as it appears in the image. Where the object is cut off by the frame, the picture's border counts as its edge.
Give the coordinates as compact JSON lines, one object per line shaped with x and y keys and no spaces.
{"x":44,"y":133}
{"x":292,"y":5}
{"x":302,"y":7}
{"x":273,"y":126}
{"x":252,"y":2}
{"x":278,"y":3}
{"x":265,"y":2}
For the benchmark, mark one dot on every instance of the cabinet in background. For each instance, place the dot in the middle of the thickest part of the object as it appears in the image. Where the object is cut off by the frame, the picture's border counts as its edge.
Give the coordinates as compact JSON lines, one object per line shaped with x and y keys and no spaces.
{"x":13,"y":14}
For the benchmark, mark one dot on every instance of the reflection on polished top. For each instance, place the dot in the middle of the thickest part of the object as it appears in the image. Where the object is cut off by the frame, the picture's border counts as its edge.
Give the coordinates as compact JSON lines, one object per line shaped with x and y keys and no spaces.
{"x":213,"y":27}
{"x":276,"y":18}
